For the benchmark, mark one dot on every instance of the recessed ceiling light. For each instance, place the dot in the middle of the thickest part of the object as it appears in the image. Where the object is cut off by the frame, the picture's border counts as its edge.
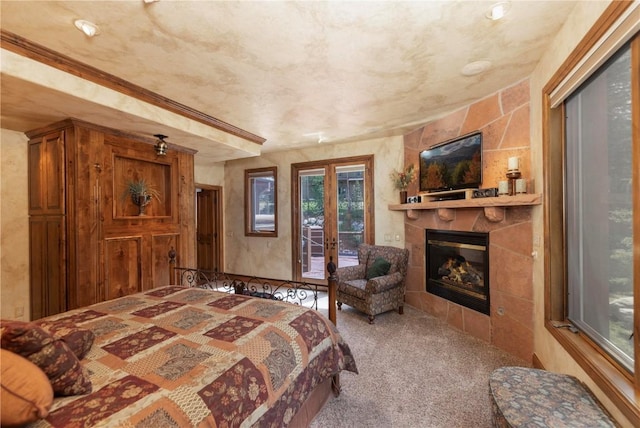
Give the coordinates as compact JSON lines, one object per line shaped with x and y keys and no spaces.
{"x":498,"y":10}
{"x":475,"y":67}
{"x":88,"y":28}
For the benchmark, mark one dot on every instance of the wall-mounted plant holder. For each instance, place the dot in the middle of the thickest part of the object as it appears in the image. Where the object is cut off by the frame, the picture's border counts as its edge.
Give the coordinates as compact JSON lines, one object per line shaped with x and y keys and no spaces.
{"x":142,"y":193}
{"x":143,"y":187}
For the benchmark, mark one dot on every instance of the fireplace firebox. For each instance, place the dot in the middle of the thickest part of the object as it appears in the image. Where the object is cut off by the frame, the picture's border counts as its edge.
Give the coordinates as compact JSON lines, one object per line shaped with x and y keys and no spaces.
{"x":457,"y":267}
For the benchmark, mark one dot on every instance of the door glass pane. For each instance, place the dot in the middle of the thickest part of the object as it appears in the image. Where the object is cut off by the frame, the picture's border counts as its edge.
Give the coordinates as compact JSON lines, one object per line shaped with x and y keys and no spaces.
{"x":599,"y":208}
{"x":350,"y":197}
{"x":312,"y":223}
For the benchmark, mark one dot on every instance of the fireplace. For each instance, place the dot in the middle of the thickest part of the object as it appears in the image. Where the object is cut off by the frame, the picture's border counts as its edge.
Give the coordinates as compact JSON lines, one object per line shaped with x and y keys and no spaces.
{"x":457,"y":267}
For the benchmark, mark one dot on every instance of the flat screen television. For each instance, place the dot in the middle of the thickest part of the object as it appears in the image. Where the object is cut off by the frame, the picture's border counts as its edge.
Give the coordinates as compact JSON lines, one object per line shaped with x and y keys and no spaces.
{"x":453,"y":164}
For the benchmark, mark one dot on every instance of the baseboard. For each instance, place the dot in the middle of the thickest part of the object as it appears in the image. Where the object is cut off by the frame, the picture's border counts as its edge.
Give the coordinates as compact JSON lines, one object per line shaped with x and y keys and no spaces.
{"x":536,"y":362}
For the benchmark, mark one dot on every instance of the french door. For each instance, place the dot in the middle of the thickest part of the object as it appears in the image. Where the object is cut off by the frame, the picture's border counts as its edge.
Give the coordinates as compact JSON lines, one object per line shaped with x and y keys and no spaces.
{"x":332,"y":214}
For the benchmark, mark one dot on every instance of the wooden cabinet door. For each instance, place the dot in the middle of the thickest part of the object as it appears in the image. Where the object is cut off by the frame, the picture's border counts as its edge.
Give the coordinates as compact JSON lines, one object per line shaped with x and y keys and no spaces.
{"x":123,"y":267}
{"x":47,"y":225}
{"x":161,"y":244}
{"x":46,"y":174}
{"x":47,"y":265}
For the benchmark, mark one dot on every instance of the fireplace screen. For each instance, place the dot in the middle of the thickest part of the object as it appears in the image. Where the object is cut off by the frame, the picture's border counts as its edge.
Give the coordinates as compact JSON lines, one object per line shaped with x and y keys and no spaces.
{"x":457,"y":267}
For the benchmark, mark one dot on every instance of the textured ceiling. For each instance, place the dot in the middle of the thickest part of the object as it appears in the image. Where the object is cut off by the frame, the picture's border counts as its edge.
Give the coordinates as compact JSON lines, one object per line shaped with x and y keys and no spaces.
{"x":293,"y":73}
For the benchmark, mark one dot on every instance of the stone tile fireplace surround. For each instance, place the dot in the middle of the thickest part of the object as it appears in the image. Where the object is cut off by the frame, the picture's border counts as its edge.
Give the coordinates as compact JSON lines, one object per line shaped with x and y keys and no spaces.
{"x":503,"y":119}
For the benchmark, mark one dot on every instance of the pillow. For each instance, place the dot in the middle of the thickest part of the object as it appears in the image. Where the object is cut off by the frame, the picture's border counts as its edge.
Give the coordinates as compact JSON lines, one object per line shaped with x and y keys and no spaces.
{"x":26,"y":394}
{"x":79,"y":340}
{"x":53,"y":356}
{"x":379,"y":267}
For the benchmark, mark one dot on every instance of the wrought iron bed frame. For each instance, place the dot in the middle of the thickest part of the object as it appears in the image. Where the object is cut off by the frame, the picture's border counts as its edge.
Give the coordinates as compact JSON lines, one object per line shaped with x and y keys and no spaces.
{"x":296,"y":292}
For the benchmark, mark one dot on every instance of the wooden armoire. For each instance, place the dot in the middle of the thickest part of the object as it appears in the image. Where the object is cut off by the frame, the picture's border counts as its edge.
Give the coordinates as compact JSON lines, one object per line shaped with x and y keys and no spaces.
{"x":88,"y":240}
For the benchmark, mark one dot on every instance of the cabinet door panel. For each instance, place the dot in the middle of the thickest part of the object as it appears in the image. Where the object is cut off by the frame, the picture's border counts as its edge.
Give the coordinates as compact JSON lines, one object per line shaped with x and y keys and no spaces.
{"x":54,"y":170}
{"x":46,"y":174}
{"x":36,"y":189}
{"x":161,"y":245}
{"x":123,"y":274}
{"x":47,"y":266}
{"x":37,"y":260}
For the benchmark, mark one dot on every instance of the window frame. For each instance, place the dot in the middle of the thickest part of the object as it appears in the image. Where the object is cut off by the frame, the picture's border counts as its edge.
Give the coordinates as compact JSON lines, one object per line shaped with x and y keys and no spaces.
{"x":620,"y":386}
{"x":249,"y":197}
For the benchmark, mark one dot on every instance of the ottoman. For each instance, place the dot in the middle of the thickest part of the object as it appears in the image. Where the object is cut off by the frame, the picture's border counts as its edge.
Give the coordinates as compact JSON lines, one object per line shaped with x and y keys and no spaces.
{"x":525,"y":397}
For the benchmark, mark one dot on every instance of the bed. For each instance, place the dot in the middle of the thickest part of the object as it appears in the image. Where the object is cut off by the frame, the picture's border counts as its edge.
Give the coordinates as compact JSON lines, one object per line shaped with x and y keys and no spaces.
{"x":188,"y":356}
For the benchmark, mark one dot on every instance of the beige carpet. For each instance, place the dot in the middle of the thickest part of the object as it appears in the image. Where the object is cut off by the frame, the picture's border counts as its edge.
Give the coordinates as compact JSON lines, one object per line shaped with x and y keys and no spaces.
{"x":415,"y":371}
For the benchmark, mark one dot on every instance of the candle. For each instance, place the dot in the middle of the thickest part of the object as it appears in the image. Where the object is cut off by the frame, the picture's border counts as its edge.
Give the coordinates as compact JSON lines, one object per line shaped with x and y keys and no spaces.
{"x":521,"y":185}
{"x":513,"y":163}
{"x":503,"y":187}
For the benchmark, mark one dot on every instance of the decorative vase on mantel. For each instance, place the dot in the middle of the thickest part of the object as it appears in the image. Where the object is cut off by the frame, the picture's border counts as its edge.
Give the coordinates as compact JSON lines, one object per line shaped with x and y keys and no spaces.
{"x":402,"y":179}
{"x":141,"y":200}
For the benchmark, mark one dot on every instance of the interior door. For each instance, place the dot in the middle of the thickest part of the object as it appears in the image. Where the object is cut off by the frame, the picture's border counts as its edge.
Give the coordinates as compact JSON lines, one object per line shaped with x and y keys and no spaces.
{"x":332,"y":214}
{"x":208,"y":225}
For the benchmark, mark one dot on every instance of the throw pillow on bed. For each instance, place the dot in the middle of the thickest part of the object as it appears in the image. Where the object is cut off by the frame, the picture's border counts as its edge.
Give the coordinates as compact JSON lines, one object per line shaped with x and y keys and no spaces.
{"x":79,"y":340}
{"x":26,"y":394}
{"x":379,"y":267}
{"x":53,"y":356}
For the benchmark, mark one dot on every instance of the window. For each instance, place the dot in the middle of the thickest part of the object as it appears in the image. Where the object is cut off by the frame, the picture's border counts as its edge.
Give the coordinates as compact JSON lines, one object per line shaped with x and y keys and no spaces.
{"x":261,"y":207}
{"x":591,"y":155}
{"x":598,"y":208}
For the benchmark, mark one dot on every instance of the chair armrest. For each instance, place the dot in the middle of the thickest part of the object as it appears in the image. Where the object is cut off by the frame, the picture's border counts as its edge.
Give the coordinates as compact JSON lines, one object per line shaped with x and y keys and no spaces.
{"x":383,"y":283}
{"x":348,"y":273}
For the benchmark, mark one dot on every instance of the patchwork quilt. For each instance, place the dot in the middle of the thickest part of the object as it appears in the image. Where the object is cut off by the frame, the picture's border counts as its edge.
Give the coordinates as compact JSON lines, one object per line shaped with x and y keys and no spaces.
{"x":177,"y":356}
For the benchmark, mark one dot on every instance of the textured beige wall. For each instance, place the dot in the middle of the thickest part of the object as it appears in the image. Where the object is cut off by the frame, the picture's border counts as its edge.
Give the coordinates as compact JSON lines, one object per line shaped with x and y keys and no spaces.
{"x":14,"y":226}
{"x":212,"y":175}
{"x":548,"y":350}
{"x":271,"y":257}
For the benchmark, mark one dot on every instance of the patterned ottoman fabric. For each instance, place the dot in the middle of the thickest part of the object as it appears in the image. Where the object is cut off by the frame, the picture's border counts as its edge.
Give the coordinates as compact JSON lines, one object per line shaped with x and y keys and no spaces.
{"x":524,"y":397}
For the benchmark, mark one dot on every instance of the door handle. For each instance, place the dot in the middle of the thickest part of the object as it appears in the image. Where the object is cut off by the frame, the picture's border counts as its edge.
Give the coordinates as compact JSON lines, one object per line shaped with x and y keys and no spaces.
{"x":333,"y":244}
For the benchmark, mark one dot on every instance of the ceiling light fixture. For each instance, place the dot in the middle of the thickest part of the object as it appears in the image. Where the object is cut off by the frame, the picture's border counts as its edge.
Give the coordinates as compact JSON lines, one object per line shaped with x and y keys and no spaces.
{"x":88,"y":28}
{"x":161,"y":145}
{"x":475,"y":67}
{"x":498,"y":10}
{"x":319,"y":135}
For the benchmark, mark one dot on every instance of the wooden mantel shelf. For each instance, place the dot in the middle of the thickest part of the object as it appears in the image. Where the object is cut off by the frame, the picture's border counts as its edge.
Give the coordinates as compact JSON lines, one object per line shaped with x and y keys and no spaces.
{"x":493,"y":207}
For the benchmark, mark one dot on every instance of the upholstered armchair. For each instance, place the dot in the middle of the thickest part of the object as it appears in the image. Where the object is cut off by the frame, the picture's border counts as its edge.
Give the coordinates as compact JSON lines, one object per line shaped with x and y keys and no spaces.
{"x":377,"y":283}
